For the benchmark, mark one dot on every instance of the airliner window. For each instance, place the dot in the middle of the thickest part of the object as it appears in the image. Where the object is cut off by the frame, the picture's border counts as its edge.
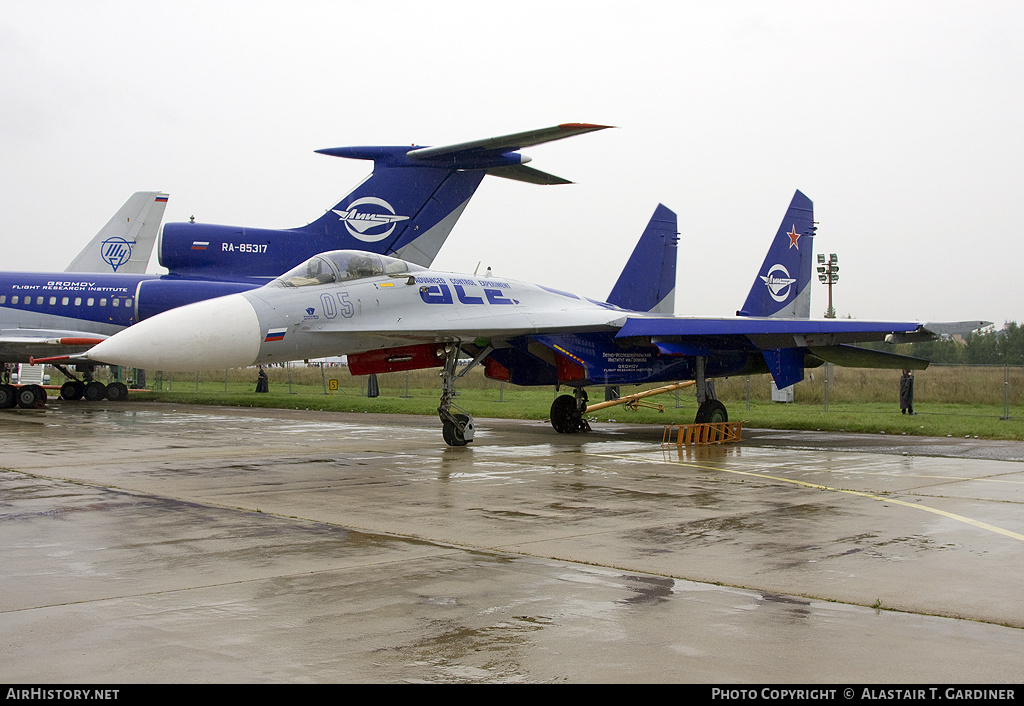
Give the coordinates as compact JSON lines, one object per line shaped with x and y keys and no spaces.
{"x":315,"y":270}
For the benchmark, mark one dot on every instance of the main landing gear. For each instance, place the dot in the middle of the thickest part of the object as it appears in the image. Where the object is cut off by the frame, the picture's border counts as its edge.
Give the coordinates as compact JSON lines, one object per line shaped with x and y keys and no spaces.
{"x":457,"y":429}
{"x":710,"y":410}
{"x":34,"y":396}
{"x":25,"y":396}
{"x":567,"y":413}
{"x":89,"y":389}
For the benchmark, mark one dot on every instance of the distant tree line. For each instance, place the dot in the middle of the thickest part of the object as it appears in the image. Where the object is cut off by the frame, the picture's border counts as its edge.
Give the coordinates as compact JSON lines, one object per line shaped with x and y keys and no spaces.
{"x":992,"y":346}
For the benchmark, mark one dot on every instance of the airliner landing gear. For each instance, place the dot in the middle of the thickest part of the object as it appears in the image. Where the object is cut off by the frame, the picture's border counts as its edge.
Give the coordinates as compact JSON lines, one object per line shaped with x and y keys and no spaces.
{"x":457,"y":429}
{"x":31,"y":397}
{"x":567,"y":413}
{"x":72,"y":390}
{"x":89,"y":389}
{"x":117,"y":392}
{"x":95,"y":391}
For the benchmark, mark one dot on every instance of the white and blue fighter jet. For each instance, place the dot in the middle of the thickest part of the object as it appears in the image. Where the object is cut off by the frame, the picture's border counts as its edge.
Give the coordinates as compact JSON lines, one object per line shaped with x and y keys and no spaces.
{"x":389,"y":315}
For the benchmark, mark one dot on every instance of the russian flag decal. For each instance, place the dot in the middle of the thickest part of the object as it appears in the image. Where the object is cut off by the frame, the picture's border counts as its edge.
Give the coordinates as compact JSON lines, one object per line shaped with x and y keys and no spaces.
{"x":275,"y":334}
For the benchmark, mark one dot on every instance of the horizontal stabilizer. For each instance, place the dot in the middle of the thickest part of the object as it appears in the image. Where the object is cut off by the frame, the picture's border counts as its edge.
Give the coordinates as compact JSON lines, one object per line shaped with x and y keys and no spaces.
{"x":507,"y":143}
{"x":530,"y":175}
{"x":856,"y":357}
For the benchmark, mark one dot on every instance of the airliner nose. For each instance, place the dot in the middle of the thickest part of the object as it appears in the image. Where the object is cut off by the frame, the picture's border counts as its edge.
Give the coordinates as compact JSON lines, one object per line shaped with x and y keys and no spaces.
{"x":209,"y":335}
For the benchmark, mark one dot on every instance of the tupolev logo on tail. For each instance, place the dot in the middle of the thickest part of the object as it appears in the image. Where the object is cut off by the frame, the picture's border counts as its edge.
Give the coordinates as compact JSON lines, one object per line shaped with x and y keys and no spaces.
{"x":361,"y":224}
{"x":778,"y":282}
{"x":116,"y":251}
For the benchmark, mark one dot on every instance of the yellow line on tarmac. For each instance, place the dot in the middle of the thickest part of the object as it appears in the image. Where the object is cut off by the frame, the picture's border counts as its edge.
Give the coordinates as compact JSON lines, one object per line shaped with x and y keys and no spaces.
{"x":880,"y":498}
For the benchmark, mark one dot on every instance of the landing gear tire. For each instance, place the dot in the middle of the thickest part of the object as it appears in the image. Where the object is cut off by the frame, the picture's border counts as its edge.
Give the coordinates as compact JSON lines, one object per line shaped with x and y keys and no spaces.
{"x":31,"y":397}
{"x":711,"y":411}
{"x":117,"y":392}
{"x":72,"y":390}
{"x":8,"y":396}
{"x":566,"y":417}
{"x":95,"y":391}
{"x":453,"y":435}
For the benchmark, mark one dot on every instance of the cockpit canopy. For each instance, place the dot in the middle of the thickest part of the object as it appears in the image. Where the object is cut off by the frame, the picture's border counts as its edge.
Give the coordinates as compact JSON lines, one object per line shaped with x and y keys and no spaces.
{"x":343,"y":266}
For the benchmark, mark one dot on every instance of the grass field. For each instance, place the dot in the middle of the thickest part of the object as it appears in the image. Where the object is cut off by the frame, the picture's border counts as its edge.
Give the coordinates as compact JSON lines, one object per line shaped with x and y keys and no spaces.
{"x":949,"y":400}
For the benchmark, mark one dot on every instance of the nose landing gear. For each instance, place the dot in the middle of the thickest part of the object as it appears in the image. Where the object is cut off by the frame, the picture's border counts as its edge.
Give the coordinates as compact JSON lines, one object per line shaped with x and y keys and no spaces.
{"x":457,"y":429}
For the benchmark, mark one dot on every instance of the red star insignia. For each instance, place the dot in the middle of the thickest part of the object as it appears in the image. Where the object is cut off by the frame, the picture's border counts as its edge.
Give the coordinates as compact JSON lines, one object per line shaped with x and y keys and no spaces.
{"x":793,"y":237}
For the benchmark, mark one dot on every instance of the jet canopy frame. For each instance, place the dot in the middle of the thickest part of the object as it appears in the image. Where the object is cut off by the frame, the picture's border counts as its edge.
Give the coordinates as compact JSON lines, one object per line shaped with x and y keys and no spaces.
{"x":344,"y":266}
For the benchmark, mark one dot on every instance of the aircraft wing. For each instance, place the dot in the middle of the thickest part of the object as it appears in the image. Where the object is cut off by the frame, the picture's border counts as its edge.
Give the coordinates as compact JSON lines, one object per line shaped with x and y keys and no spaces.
{"x":20,"y":345}
{"x":767,"y":332}
{"x":783,"y":333}
{"x":789,"y":345}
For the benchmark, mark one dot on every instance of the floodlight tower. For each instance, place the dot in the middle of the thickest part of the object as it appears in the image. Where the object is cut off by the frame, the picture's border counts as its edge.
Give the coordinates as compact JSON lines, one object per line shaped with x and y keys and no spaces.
{"x":828,"y":273}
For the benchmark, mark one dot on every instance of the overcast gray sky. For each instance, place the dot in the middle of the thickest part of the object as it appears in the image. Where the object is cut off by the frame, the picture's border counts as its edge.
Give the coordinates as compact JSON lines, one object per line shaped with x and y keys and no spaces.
{"x":902,"y":121}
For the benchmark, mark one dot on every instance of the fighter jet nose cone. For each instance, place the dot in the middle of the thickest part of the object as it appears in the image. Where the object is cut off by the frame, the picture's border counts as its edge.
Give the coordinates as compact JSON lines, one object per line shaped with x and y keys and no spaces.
{"x":209,"y":335}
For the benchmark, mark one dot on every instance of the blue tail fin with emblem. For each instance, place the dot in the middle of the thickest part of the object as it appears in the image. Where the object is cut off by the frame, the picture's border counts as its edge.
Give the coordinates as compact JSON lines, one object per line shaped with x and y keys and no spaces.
{"x":782,"y":286}
{"x":648,"y":281}
{"x":406,"y":208}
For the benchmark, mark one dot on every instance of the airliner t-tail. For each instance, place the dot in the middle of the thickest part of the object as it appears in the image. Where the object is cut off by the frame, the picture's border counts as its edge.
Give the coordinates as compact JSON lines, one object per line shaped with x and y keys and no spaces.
{"x":405,"y":208}
{"x":389,"y":315}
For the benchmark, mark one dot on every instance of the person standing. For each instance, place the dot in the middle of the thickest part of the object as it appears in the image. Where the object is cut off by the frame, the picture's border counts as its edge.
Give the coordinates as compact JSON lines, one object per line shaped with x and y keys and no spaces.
{"x":907,"y":392}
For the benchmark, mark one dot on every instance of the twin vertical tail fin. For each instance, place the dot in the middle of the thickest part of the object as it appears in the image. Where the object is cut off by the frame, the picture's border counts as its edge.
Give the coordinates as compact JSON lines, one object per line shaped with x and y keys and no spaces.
{"x":782,"y":286}
{"x":648,"y":281}
{"x":126,"y":242}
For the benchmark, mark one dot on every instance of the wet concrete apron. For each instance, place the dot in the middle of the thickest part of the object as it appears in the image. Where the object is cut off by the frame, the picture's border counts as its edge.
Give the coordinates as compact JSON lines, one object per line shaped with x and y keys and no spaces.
{"x":146,"y":542}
